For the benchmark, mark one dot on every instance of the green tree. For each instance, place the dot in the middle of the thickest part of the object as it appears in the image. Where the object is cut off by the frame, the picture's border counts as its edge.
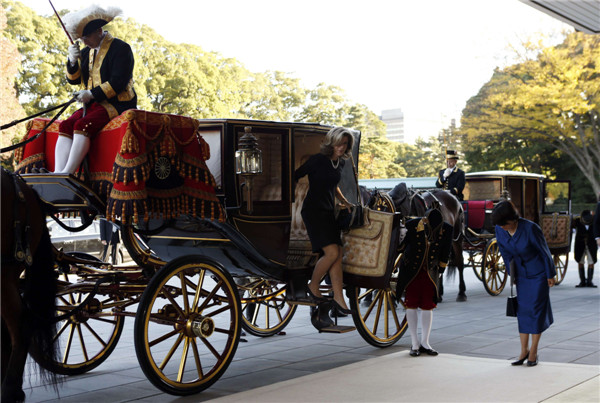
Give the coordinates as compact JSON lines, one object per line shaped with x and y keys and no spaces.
{"x":553,"y":100}
{"x":377,"y":159}
{"x":424,"y":158}
{"x":11,"y":109}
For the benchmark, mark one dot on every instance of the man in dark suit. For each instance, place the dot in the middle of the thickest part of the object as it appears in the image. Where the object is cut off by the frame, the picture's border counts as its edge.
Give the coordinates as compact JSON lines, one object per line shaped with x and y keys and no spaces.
{"x":109,"y":236}
{"x":452,"y":178}
{"x":586,"y":248}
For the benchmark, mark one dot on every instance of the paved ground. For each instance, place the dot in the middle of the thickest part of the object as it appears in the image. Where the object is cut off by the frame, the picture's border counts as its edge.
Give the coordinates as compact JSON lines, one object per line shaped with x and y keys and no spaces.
{"x":475,"y":339}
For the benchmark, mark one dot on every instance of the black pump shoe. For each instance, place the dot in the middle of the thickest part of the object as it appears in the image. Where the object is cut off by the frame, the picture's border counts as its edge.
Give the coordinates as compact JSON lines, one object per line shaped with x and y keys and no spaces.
{"x":532,"y":363}
{"x":342,"y":310}
{"x":428,"y":351}
{"x":521,"y":361}
{"x":314,"y":297}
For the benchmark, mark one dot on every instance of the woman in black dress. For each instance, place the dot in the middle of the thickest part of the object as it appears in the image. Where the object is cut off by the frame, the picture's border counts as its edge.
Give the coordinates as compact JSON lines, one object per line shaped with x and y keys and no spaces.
{"x":324,"y":172}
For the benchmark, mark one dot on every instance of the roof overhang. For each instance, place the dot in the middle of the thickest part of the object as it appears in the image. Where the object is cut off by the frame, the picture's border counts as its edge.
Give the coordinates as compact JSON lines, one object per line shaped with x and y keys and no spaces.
{"x":583,"y":15}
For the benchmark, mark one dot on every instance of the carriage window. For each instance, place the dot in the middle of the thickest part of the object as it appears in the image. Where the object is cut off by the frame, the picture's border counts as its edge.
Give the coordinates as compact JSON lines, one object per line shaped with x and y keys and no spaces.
{"x":556,"y":197}
{"x":213,"y":138}
{"x":483,"y":189}
{"x":268,"y":185}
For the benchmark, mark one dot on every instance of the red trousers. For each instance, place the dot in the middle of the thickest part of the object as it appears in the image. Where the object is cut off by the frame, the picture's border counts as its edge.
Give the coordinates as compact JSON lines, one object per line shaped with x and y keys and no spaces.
{"x":420,"y":292}
{"x":95,"y":119}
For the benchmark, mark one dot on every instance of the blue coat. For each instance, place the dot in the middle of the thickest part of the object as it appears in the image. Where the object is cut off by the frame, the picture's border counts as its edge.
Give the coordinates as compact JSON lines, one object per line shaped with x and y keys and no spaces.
{"x":533,"y":265}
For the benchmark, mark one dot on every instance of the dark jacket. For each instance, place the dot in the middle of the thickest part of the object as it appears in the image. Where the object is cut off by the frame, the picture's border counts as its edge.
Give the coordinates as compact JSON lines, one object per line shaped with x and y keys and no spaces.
{"x":585,"y":236}
{"x":455,"y":183}
{"x":111,"y":81}
{"x":418,"y":250}
{"x":597,"y":221}
{"x":108,"y":233}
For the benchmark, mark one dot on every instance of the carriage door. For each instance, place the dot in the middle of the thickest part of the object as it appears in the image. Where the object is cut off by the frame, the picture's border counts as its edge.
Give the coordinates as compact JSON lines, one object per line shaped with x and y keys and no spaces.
{"x":267,"y":225}
{"x":556,"y":215}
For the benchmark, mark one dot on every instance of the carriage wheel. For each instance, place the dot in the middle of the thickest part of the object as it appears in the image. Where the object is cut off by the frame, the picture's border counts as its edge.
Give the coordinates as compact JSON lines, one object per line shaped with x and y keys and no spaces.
{"x":383,"y":322}
{"x":87,"y":338}
{"x":265,"y":311}
{"x":476,"y":262}
{"x":141,"y":254}
{"x":561,"y":262}
{"x":187,"y":327}
{"x":493,"y":269}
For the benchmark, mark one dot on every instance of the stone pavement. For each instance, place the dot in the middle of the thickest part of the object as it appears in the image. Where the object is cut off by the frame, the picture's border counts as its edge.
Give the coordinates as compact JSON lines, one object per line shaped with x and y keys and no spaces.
{"x":475,"y":339}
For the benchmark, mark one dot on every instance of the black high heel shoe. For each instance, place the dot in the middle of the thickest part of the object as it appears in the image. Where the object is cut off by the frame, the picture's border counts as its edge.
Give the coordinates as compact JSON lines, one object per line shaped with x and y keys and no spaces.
{"x":521,"y":361}
{"x":532,"y":363}
{"x":312,"y":296}
{"x":342,"y":310}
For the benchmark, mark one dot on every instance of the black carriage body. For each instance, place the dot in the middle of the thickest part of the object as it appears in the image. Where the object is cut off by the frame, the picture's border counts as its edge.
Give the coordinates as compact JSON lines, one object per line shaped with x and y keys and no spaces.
{"x":268,"y":240}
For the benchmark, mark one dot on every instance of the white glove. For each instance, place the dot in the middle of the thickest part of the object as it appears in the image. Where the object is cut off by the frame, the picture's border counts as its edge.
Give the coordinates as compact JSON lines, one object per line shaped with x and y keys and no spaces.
{"x":74,"y":53}
{"x":84,"y":96}
{"x":447,"y":172}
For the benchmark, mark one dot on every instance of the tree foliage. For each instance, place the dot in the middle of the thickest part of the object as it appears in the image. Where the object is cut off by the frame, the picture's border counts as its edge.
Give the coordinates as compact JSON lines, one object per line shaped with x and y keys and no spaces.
{"x":176,"y":78}
{"x":540,"y":110}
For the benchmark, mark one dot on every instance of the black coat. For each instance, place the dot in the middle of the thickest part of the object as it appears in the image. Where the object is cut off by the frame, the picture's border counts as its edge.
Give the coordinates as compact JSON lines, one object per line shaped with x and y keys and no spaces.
{"x":108,"y":233}
{"x":455,"y":183}
{"x":597,"y":221}
{"x":419,"y":251}
{"x":585,"y":237}
{"x":112,"y":75}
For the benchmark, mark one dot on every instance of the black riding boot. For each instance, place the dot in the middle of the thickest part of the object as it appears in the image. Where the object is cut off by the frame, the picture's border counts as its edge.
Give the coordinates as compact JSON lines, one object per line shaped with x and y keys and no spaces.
{"x":589,"y":278}
{"x":582,"y":282}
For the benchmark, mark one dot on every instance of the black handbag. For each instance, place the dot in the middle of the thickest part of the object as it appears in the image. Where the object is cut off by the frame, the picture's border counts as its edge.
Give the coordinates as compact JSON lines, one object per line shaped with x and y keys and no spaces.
{"x":511,"y":303}
{"x":348,"y":219}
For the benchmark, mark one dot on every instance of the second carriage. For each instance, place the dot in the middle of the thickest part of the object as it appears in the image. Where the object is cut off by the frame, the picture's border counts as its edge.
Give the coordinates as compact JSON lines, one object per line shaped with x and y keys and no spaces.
{"x":545,"y":202}
{"x":210,"y":215}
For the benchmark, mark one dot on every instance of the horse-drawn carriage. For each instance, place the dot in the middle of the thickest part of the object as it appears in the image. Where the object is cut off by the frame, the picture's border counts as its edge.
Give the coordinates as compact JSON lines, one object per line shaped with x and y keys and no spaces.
{"x":542,"y":201}
{"x":545,"y":202}
{"x":210,"y":214}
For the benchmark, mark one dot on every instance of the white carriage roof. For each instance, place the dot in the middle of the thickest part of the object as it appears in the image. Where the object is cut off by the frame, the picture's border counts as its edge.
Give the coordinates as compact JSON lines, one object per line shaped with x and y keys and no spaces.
{"x":504,"y":173}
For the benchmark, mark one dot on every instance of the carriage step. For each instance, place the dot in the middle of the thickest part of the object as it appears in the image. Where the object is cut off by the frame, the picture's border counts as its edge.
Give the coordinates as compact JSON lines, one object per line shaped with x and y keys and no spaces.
{"x":338,"y":329}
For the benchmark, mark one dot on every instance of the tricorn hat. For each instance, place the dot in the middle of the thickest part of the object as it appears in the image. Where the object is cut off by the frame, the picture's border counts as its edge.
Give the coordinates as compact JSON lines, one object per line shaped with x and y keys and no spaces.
{"x":84,"y":22}
{"x":586,"y":217}
{"x":451,"y":155}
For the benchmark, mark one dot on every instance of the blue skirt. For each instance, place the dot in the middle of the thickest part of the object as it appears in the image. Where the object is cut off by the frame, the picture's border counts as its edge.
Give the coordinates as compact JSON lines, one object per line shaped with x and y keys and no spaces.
{"x":533,"y":295}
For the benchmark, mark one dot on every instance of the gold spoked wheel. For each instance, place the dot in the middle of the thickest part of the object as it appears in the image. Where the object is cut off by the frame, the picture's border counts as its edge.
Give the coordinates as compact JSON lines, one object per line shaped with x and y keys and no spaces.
{"x":265,"y":311}
{"x":188,"y":325}
{"x":493,"y":270}
{"x":88,"y":337}
{"x":381,"y":322}
{"x":560,"y":262}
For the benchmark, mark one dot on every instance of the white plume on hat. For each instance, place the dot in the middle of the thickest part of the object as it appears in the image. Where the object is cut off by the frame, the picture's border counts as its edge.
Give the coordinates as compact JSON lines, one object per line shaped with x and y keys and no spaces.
{"x":76,"y":21}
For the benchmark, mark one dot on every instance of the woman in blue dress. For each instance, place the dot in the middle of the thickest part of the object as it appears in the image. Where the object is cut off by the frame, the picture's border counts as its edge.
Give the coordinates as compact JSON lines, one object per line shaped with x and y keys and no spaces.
{"x":522,"y":243}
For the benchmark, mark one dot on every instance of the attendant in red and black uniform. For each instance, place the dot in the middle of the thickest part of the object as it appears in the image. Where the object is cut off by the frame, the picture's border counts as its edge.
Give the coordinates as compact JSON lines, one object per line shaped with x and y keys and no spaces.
{"x":426,"y":252}
{"x":324,"y":172}
{"x":104,"y":68}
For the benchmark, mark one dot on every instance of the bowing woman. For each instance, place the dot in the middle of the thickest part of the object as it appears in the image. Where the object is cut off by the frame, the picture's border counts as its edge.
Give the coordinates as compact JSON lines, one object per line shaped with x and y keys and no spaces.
{"x":522,"y":243}
{"x":324,"y":172}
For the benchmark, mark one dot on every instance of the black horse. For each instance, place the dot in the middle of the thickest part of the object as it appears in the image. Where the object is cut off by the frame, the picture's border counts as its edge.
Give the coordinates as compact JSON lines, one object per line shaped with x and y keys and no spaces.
{"x":413,"y":203}
{"x":28,"y":304}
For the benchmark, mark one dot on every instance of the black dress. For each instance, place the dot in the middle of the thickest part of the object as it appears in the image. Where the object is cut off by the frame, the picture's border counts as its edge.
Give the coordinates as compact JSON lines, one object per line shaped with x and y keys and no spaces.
{"x":318,"y":209}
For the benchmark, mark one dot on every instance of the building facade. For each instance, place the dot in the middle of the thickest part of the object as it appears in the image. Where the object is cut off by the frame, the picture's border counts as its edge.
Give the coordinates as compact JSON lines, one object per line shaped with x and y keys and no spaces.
{"x":394,"y":120}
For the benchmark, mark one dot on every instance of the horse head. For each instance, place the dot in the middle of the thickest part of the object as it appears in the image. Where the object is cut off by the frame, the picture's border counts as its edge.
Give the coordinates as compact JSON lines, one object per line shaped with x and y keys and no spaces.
{"x":401,"y":197}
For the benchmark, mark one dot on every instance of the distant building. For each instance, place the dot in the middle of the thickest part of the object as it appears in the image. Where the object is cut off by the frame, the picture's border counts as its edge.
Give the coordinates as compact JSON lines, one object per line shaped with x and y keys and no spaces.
{"x":394,"y":119}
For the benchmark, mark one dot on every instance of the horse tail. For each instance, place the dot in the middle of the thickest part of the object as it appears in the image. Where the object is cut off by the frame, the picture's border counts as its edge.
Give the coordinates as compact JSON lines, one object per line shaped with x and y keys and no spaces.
{"x":40,"y":301}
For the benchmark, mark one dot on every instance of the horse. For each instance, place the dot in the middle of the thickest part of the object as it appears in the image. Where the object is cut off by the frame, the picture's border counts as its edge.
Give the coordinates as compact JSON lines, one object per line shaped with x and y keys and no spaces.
{"x":414,"y":203}
{"x":28,"y":305}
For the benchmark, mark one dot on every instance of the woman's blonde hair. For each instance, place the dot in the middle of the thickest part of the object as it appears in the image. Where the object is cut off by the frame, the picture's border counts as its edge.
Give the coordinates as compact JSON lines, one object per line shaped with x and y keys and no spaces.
{"x":334,"y":137}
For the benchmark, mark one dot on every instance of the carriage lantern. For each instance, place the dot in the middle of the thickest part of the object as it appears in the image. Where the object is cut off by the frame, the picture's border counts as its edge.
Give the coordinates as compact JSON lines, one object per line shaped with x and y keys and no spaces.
{"x":248,"y":162}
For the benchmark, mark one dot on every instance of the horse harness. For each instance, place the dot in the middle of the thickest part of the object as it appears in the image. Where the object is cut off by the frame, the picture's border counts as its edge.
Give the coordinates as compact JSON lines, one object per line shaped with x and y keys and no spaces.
{"x":22,"y":229}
